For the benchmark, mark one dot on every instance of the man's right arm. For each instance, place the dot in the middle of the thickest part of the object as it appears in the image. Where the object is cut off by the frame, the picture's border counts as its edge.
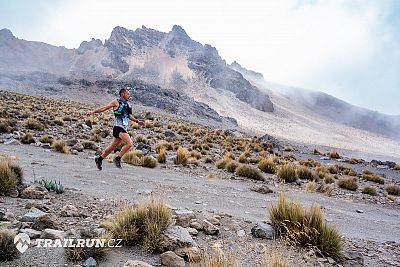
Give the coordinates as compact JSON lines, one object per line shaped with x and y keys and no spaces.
{"x":102,"y":109}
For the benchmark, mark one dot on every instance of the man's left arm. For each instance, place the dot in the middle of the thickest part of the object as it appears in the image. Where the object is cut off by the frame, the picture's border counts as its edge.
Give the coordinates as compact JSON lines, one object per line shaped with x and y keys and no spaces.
{"x":132,"y":118}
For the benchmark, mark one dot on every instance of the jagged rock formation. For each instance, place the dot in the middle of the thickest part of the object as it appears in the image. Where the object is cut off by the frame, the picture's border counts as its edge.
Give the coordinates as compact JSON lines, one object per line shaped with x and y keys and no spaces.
{"x":170,"y":60}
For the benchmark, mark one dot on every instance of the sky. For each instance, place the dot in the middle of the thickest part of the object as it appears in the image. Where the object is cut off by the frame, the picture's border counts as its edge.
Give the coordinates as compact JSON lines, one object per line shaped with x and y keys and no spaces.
{"x":347,"y":48}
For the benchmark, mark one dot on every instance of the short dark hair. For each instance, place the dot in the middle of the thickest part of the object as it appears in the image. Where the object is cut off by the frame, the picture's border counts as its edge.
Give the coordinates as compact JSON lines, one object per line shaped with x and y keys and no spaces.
{"x":123,"y":90}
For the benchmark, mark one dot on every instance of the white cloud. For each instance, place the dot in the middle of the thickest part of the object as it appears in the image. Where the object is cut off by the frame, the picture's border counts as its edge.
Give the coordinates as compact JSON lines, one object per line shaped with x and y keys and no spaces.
{"x":331,"y":45}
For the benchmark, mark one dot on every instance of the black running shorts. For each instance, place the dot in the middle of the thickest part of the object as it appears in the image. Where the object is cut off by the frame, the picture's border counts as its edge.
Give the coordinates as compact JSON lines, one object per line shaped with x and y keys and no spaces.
{"x":117,"y":130}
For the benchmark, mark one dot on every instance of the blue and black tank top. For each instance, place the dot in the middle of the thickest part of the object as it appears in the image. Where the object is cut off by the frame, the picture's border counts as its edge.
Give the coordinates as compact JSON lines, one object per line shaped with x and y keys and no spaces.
{"x":122,"y":114}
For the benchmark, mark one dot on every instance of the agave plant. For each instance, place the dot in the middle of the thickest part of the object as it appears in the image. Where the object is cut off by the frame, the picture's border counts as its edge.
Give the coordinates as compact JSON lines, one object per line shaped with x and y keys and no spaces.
{"x":52,"y":186}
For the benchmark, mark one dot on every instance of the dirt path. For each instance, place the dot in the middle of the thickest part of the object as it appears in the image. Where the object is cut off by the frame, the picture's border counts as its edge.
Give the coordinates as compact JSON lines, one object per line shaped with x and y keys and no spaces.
{"x":198,"y":193}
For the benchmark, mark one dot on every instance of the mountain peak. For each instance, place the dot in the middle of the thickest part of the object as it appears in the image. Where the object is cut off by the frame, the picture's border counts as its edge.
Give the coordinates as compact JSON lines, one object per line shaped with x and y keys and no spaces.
{"x":179,"y":31}
{"x":6,"y":34}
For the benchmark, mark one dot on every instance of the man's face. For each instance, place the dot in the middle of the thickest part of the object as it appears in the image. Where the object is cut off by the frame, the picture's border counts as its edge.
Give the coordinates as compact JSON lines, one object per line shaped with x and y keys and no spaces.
{"x":126,"y":95}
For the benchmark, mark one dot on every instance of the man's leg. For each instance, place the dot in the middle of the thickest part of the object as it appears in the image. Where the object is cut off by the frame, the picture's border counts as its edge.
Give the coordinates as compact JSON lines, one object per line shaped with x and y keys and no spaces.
{"x":128,"y":144}
{"x":114,"y":143}
{"x":99,"y":160}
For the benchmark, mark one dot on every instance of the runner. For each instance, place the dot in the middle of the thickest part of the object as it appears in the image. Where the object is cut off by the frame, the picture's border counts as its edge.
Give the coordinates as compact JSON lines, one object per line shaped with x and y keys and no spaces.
{"x":123,"y":113}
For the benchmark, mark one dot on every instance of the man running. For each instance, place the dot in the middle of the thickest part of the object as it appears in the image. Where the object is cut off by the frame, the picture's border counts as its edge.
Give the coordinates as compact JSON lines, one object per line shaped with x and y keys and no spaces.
{"x":123,"y":113}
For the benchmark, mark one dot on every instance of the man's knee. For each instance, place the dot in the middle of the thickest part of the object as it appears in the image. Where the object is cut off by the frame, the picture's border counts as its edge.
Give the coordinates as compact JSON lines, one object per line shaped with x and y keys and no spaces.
{"x":129,"y":144}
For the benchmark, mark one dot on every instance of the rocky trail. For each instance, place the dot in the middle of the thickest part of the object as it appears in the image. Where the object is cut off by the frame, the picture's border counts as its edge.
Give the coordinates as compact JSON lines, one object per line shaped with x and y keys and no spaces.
{"x":367,"y":223}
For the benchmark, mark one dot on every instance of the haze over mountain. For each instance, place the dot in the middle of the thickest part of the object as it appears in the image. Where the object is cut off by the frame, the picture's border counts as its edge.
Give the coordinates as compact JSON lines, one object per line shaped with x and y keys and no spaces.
{"x":173,"y":62}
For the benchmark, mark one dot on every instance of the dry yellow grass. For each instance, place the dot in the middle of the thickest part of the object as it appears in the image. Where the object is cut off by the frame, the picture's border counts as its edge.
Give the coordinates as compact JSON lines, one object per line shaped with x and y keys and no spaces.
{"x":182,"y":156}
{"x":305,"y":227}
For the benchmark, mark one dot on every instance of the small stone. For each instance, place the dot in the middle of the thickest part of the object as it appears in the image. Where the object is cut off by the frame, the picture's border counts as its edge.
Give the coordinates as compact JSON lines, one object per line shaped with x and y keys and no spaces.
{"x":33,"y":234}
{"x":197,"y":226}
{"x":12,"y":142}
{"x":241,"y":233}
{"x":45,"y":146}
{"x":359,"y":211}
{"x":69,"y":211}
{"x":189,"y":253}
{"x":263,"y":230}
{"x":183,"y":217}
{"x":263,"y":189}
{"x":52,"y":234}
{"x":33,"y":214}
{"x":177,"y":237}
{"x":170,"y":259}
{"x":137,"y":263}
{"x":331,"y":261}
{"x":209,"y":228}
{"x":213,"y":220}
{"x":34,"y":192}
{"x":13,"y":193}
{"x":192,"y":231}
{"x":90,"y":262}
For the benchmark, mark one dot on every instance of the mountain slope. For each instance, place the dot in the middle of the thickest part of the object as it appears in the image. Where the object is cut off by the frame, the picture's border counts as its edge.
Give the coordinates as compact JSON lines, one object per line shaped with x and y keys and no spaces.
{"x":329,"y":107}
{"x":170,"y":60}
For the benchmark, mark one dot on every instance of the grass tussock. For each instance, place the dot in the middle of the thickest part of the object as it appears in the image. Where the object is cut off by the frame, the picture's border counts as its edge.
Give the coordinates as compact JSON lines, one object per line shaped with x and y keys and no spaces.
{"x":393,"y":189}
{"x":142,"y":223}
{"x":231,"y":166}
{"x":148,"y":162}
{"x":275,"y":260}
{"x":305,"y":227}
{"x":27,"y":138}
{"x":221,"y":164}
{"x":8,"y":178}
{"x":34,"y":124}
{"x":133,"y":157}
{"x":369,"y":190}
{"x":370,"y":176}
{"x":267,"y":165}
{"x":334,"y":155}
{"x":397,"y":167}
{"x":8,"y":249}
{"x":287,"y":173}
{"x":305,"y":173}
{"x":162,"y":155}
{"x":46,"y":139}
{"x":249,"y":171}
{"x":216,"y":258}
{"x":182,"y":156}
{"x":60,"y":146}
{"x":348,"y":183}
{"x":81,"y":253}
